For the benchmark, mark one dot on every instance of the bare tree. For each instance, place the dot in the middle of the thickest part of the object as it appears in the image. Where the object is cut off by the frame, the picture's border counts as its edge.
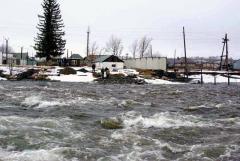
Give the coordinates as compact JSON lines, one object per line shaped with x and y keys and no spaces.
{"x":114,"y":46}
{"x":134,"y":48}
{"x":102,"y":50}
{"x":94,"y":48}
{"x":144,"y":45}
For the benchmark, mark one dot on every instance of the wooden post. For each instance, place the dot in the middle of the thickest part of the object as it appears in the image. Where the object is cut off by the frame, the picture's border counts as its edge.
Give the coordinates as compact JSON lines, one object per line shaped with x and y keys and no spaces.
{"x":228,"y":78}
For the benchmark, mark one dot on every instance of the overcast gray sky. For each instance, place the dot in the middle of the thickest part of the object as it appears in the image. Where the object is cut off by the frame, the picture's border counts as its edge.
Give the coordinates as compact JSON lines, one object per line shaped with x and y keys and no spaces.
{"x":206,"y":22}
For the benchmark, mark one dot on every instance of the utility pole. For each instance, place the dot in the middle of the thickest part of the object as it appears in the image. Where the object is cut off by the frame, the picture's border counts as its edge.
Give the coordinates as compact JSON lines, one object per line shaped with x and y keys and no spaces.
{"x":21,"y":53}
{"x":221,"y":62}
{"x":88,"y":39}
{"x":2,"y":50}
{"x":174,"y":59}
{"x":6,"y":51}
{"x":225,"y":62}
{"x":185,"y":53}
{"x":151,"y":51}
{"x":67,"y":53}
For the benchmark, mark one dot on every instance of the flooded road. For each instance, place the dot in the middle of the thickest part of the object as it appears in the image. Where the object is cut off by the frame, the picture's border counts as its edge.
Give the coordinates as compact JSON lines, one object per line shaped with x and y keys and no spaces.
{"x":42,"y":121}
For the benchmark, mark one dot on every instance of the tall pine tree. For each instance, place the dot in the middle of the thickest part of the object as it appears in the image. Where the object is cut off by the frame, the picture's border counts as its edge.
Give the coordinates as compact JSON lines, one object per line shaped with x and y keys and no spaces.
{"x":49,"y":42}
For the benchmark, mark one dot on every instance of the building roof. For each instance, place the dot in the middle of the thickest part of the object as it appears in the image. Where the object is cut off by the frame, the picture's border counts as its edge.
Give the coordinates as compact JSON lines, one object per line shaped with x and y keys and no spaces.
{"x":237,"y":61}
{"x":108,"y":58}
{"x":76,"y":56}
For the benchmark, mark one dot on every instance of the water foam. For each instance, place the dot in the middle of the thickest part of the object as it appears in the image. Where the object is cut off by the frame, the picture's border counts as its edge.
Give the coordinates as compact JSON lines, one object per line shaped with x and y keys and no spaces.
{"x":163,"y":120}
{"x":37,"y":102}
{"x":35,"y":155}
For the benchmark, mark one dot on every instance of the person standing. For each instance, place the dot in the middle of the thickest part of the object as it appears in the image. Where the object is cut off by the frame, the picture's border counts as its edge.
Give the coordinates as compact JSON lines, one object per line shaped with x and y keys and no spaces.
{"x":102,"y":73}
{"x":93,"y":68}
{"x":107,"y":72}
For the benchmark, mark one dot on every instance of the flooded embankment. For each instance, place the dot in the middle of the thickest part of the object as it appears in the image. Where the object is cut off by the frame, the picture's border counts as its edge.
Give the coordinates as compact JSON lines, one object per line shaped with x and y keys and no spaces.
{"x":53,"y":121}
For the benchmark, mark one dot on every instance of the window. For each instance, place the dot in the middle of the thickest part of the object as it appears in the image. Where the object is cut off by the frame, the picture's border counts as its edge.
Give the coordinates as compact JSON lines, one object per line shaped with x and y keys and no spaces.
{"x":114,"y":65}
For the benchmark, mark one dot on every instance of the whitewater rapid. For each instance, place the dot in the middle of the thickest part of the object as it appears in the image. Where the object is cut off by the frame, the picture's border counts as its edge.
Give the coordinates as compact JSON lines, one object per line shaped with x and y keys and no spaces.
{"x":42,"y":121}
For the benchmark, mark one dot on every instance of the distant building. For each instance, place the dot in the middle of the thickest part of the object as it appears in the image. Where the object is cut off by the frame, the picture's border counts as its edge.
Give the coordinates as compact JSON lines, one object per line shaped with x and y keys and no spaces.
{"x":75,"y":60}
{"x":150,"y":63}
{"x":236,"y":65}
{"x":31,"y":61}
{"x":90,"y":59}
{"x":20,"y":58}
{"x":111,"y":62}
{"x":6,"y":59}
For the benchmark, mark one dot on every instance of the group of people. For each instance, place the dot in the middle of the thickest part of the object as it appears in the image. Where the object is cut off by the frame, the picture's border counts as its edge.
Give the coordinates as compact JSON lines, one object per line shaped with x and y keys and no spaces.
{"x":105,"y":72}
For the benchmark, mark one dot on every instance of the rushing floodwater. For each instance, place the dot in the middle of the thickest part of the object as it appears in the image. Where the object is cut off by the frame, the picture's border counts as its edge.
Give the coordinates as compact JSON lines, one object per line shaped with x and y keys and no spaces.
{"x":41,"y":121}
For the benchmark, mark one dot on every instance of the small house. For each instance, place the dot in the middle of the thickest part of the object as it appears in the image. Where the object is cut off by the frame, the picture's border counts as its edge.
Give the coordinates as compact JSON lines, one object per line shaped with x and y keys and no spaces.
{"x":20,"y":58}
{"x":236,"y":65}
{"x":111,"y":62}
{"x":75,"y":60}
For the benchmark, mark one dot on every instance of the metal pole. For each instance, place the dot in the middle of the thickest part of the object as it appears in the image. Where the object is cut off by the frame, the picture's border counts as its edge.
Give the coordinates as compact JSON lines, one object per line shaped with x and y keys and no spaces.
{"x":88,"y":39}
{"x":6,"y":51}
{"x":185,"y":52}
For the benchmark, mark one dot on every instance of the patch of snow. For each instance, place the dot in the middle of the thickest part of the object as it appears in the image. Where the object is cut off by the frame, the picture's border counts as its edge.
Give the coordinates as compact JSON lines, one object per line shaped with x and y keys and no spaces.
{"x":79,"y":77}
{"x":89,"y":69}
{"x":15,"y":70}
{"x":2,"y":79}
{"x":126,"y":72}
{"x":160,"y":81}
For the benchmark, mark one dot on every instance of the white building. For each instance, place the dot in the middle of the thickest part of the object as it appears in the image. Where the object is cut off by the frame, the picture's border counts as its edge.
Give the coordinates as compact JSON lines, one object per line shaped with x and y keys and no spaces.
{"x":158,"y":63}
{"x":236,"y":65}
{"x":109,"y":61}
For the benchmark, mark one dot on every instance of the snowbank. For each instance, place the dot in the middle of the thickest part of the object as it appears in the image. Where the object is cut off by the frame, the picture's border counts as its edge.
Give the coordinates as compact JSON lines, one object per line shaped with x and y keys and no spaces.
{"x":79,"y":77}
{"x":128,"y":72}
{"x":160,"y":81}
{"x":2,"y":79}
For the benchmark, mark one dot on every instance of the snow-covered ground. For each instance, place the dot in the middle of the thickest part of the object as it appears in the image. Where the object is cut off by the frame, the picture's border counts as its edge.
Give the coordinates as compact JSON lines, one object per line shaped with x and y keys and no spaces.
{"x":126,"y":72}
{"x":53,"y":74}
{"x":160,"y":81}
{"x":219,"y":79}
{"x":1,"y":79}
{"x":15,"y":70}
{"x":79,"y":77}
